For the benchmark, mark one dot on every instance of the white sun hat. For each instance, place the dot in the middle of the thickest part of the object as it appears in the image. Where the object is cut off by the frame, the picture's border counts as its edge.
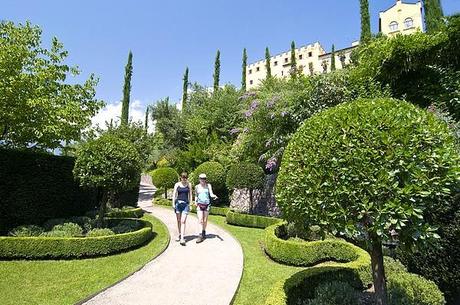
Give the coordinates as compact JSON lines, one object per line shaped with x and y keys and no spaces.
{"x":202,"y":176}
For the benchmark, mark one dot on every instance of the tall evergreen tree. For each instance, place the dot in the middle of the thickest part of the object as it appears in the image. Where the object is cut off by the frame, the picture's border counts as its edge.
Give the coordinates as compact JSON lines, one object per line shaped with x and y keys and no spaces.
{"x":293,"y":60}
{"x":333,"y":58}
{"x":216,"y":75}
{"x":185,"y":90}
{"x":146,"y":123}
{"x":243,"y":75}
{"x":267,"y":63}
{"x":127,"y":90}
{"x":433,"y":15}
{"x":365,"y":21}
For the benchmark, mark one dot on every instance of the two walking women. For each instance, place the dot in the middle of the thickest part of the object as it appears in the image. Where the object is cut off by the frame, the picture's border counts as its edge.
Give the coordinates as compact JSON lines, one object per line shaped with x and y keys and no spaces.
{"x":182,"y":200}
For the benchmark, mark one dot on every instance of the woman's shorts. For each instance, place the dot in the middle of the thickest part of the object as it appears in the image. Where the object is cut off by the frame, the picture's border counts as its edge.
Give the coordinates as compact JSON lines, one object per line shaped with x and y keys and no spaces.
{"x":181,"y":207}
{"x":204,"y":207}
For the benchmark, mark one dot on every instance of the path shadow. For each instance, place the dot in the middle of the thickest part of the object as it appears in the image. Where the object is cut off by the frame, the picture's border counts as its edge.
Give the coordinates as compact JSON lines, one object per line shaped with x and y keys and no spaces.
{"x":208,"y":236}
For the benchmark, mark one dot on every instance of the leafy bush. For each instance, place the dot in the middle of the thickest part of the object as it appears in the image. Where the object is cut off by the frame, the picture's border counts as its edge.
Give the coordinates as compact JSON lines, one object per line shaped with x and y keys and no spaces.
{"x":57,"y":244}
{"x":163,"y":162}
{"x":410,"y":289}
{"x":215,"y":173}
{"x":99,"y":232}
{"x":125,"y":213}
{"x":247,"y":220}
{"x":162,"y":201}
{"x":125,"y":226}
{"x":26,"y":231}
{"x":164,"y":178}
{"x":71,"y":229}
{"x":56,"y":233}
{"x":335,"y":293}
{"x":369,"y":168}
{"x":50,"y":191}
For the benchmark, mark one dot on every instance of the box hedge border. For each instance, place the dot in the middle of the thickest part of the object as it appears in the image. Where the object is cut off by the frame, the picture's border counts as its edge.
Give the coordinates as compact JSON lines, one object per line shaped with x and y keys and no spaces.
{"x":127,"y":213}
{"x":401,"y":284}
{"x":248,"y":220}
{"x":73,"y":247}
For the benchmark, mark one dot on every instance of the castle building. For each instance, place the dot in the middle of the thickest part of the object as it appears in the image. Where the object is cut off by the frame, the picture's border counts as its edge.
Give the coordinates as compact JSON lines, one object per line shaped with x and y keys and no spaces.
{"x":311,"y":59}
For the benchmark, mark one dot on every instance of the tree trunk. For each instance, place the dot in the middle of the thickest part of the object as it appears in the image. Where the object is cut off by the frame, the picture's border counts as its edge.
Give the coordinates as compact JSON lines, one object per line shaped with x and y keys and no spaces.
{"x":378,"y":271}
{"x":250,"y":202}
{"x":102,"y":208}
{"x":166,"y":193}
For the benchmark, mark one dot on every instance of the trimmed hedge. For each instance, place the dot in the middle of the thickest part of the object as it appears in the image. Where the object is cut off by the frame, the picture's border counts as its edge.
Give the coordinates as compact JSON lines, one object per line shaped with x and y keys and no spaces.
{"x":76,"y":247}
{"x":303,"y":284}
{"x":35,"y":187}
{"x":126,"y":213}
{"x":248,"y":220}
{"x":302,"y":253}
{"x":403,"y":288}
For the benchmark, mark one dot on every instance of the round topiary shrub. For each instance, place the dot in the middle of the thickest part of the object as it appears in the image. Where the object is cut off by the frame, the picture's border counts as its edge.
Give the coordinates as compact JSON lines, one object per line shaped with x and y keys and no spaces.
{"x":369,"y":168}
{"x":246,"y":176}
{"x":215,"y":173}
{"x":164,"y":178}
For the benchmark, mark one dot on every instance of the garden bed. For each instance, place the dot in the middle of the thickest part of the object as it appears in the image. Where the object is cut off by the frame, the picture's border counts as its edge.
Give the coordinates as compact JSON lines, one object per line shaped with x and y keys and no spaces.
{"x":44,"y":247}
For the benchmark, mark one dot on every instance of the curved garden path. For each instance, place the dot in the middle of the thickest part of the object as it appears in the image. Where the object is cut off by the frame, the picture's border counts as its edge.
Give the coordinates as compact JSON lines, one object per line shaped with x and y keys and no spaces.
{"x":197,"y":274}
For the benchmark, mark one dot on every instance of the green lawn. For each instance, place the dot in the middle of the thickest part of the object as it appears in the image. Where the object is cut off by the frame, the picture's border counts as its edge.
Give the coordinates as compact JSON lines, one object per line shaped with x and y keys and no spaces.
{"x":68,"y":281}
{"x":260,"y":273}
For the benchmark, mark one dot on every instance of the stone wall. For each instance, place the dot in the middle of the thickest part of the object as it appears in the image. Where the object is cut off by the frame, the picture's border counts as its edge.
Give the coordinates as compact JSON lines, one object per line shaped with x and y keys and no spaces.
{"x":263,"y":200}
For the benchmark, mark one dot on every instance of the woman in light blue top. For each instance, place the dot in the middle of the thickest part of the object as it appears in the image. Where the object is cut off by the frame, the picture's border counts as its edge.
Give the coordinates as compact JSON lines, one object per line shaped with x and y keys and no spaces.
{"x":203,"y":195}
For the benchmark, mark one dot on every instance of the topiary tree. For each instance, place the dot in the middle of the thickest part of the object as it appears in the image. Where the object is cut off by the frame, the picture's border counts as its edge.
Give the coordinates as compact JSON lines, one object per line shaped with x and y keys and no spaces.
{"x":109,"y":164}
{"x":164,"y":178}
{"x":369,"y":168}
{"x":246,"y":176}
{"x":215,"y":173}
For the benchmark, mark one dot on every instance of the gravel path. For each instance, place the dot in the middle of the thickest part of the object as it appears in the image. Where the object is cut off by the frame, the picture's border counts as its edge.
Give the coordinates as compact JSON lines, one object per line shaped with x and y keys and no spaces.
{"x":197,"y":274}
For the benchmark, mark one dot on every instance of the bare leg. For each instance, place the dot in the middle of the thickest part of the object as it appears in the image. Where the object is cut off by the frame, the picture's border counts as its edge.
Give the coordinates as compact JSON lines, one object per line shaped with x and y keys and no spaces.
{"x":205,"y":220}
{"x":182,"y":227}
{"x":178,"y":217}
{"x":200,"y":220}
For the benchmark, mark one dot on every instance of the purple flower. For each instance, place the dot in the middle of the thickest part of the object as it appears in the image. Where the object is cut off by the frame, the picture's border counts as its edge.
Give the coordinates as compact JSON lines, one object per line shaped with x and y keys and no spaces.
{"x":271,"y":164}
{"x":283,"y":114}
{"x":254,"y":105}
{"x":247,"y":95}
{"x":248,"y":113}
{"x":235,"y":131}
{"x":273,"y":101}
{"x":268,"y":143}
{"x":272,"y":115}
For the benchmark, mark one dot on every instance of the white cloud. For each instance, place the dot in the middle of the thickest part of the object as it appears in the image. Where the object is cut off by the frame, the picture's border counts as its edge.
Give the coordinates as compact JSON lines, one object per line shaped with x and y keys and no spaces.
{"x":112,"y":111}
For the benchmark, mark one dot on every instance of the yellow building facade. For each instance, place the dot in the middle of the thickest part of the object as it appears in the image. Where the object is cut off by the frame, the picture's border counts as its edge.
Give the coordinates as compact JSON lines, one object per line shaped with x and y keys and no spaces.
{"x":401,"y":18}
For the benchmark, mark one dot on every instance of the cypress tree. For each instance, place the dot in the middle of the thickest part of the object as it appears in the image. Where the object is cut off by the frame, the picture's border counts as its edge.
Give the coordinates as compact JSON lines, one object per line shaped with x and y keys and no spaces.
{"x":146,"y":123}
{"x":293,"y":60}
{"x":267,"y":63}
{"x":433,"y":15}
{"x":184,"y":90}
{"x":243,"y":75}
{"x":216,"y":75}
{"x":127,"y":90}
{"x":365,"y":21}
{"x":333,"y":58}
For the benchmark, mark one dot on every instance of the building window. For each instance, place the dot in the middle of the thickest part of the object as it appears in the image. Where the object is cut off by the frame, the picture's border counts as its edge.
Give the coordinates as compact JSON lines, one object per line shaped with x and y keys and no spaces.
{"x":258,"y":69}
{"x":276,"y":63}
{"x":250,"y":71}
{"x":300,"y":56}
{"x":310,"y":54}
{"x":409,"y":22}
{"x":250,"y":82}
{"x":286,"y":60}
{"x":393,"y":26}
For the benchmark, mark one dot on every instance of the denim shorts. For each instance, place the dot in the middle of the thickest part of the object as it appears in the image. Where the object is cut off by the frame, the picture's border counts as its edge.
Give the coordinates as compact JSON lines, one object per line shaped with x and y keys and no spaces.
{"x":181,"y":207}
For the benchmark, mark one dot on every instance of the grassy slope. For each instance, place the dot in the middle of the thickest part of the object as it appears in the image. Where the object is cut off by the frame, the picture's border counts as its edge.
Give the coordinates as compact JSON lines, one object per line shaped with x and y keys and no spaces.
{"x":68,"y":281}
{"x":260,"y":273}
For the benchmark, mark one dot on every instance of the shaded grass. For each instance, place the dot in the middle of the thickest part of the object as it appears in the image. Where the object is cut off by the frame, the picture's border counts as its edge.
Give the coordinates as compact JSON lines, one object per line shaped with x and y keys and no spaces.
{"x":60,"y":282}
{"x":260,"y":273}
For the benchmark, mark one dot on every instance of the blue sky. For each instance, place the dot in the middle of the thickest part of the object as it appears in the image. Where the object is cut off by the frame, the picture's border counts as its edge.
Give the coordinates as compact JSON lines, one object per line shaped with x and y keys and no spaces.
{"x":166,"y":36}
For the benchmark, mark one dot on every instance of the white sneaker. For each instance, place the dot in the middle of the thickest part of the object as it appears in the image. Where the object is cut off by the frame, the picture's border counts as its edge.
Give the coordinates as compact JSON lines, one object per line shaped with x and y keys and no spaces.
{"x":178,"y":238}
{"x":182,"y":242}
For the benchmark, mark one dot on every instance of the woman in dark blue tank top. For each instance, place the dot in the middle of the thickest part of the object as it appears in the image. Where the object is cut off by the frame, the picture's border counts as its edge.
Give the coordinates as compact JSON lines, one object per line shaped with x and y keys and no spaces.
{"x":182,"y":196}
